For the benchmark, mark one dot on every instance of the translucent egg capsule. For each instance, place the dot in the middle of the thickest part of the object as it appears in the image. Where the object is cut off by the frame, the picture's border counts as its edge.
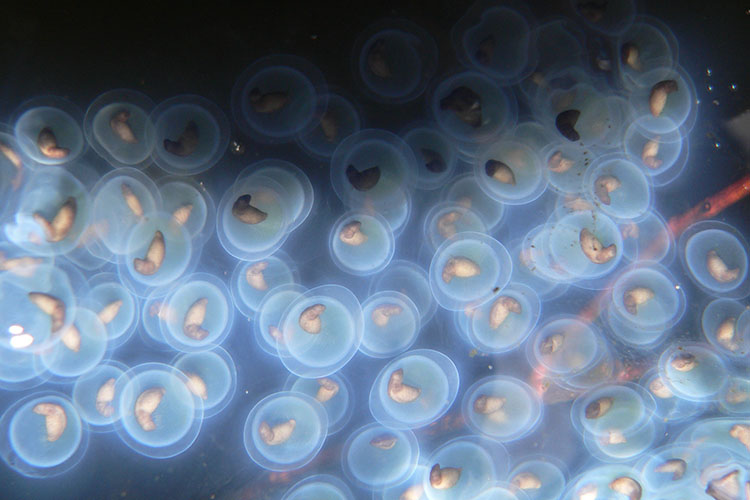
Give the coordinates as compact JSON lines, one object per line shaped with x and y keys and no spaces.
{"x":501,"y":407}
{"x":528,"y":271}
{"x":153,"y":313}
{"x":414,"y":389}
{"x":159,"y":416}
{"x":715,"y":256}
{"x":299,"y":191}
{"x":392,"y":324}
{"x":252,"y":281}
{"x":444,"y":220}
{"x":496,"y":40}
{"x":191,"y":134}
{"x":732,"y":434}
{"x":285,"y":430}
{"x":565,"y":165}
{"x":20,"y":369}
{"x":396,"y":210}
{"x":410,"y":489}
{"x":465,"y":191}
{"x":556,"y":44}
{"x":118,"y":127}
{"x":371,"y":168}
{"x":612,"y":408}
{"x":36,"y":308}
{"x":333,"y":392}
{"x":267,"y":321}
{"x":606,"y":481}
{"x":505,"y":320}
{"x":376,"y":457}
{"x":95,"y":395}
{"x":533,"y":133}
{"x":670,"y":468}
{"x":646,"y":302}
{"x":121,"y":200}
{"x":668,"y":406}
{"x":322,"y":330}
{"x":360,"y":243}
{"x":584,"y":117}
{"x":662,"y":157}
{"x":12,"y":168}
{"x":473,"y":110}
{"x":81,"y":346}
{"x":320,"y":486}
{"x":394,"y":60}
{"x":570,"y":351}
{"x":200,"y":313}
{"x":723,"y":475}
{"x":411,"y":280}
{"x":211,"y":376}
{"x":617,"y":187}
{"x":435,"y":153}
{"x":722,"y":321}
{"x":586,"y":245}
{"x":278,"y":97}
{"x":666,"y":98}
{"x":617,"y":115}
{"x":538,"y":477}
{"x":692,"y":371}
{"x":42,"y":435}
{"x":650,"y":239}
{"x":463,"y":467}
{"x":634,"y":334}
{"x":158,"y":253}
{"x":191,"y":206}
{"x":340,"y":119}
{"x":735,"y":397}
{"x":467,"y":268}
{"x":252,"y":217}
{"x":48,"y":131}
{"x":570,"y":203}
{"x":647,"y":44}
{"x":499,"y":491}
{"x":115,"y":307}
{"x":510,"y":172}
{"x":90,"y":254}
{"x":7,"y":174}
{"x":551,"y":93}
{"x":53,"y":212}
{"x":611,"y":18}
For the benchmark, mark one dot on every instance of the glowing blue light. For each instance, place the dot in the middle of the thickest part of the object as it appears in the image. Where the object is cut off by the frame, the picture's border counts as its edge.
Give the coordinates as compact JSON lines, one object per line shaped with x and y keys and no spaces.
{"x":43,"y":435}
{"x":159,"y":416}
{"x":435,"y":378}
{"x":319,"y":351}
{"x":308,"y":422}
{"x":285,"y":288}
{"x":118,"y":147}
{"x":376,"y":456}
{"x":394,"y":60}
{"x":51,"y":114}
{"x":518,"y":413}
{"x":176,"y":118}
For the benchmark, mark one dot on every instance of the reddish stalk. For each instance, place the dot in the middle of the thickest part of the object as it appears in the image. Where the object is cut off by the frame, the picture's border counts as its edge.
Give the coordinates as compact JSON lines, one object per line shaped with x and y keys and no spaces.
{"x":711,"y":206}
{"x":707,"y":208}
{"x":549,"y":391}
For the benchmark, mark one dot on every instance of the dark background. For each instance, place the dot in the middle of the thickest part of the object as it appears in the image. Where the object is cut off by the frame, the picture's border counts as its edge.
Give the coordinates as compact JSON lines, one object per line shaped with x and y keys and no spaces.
{"x":79,"y":52}
{"x":201,"y":47}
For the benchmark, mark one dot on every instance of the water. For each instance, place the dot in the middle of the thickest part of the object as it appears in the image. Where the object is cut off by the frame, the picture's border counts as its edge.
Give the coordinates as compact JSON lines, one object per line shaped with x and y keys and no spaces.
{"x":656,"y":330}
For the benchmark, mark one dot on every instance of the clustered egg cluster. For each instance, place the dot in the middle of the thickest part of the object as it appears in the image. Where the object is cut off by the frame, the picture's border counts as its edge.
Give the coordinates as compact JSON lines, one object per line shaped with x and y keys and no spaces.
{"x":532,"y":176}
